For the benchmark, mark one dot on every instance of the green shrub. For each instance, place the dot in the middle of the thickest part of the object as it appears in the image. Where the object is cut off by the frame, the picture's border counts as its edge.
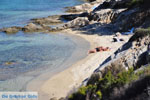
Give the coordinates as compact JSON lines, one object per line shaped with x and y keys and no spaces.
{"x":106,"y":84}
{"x":125,"y":77}
{"x":99,"y":94}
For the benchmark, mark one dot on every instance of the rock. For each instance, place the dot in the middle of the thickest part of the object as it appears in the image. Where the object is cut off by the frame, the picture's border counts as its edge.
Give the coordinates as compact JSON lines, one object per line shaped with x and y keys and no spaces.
{"x":74,"y":16}
{"x":113,"y":4}
{"x":131,"y":18}
{"x":49,"y":20}
{"x":78,"y":22}
{"x":79,"y":8}
{"x":11,"y":30}
{"x":32,"y":28}
{"x":105,"y":15}
{"x":131,"y":54}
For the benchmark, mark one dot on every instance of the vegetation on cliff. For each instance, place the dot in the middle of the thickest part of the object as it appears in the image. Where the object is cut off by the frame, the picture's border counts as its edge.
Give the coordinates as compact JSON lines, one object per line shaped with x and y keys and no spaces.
{"x":113,"y":86}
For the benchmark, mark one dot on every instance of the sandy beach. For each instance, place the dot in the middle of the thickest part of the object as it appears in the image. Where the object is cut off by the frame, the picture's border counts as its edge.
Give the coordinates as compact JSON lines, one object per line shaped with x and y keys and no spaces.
{"x":62,"y":83}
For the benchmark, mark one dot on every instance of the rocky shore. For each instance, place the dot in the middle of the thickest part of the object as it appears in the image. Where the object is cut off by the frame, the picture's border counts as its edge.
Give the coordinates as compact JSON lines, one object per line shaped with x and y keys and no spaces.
{"x":103,"y":75}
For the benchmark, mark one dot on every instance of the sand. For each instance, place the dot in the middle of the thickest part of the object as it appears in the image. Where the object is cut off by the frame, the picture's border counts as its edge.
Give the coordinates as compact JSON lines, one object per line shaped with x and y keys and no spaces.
{"x":62,"y":83}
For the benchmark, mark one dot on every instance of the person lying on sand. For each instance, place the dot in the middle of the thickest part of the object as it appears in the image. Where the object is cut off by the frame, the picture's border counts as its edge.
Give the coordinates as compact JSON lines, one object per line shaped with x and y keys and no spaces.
{"x":99,"y":49}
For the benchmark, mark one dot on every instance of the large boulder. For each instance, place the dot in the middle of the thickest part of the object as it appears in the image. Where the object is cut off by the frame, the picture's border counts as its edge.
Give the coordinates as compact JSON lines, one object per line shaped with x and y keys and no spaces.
{"x":78,"y":22}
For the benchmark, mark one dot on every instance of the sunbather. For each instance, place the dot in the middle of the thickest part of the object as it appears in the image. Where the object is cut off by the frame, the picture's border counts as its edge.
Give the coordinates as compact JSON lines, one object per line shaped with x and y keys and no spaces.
{"x":99,"y":49}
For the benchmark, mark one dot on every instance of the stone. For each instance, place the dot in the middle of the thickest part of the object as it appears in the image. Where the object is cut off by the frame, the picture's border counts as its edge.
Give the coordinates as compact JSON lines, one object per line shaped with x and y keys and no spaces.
{"x":105,"y":15}
{"x":79,"y":8}
{"x":31,"y":27}
{"x":74,"y":16}
{"x":78,"y":22}
{"x":11,"y":30}
{"x":48,"y":20}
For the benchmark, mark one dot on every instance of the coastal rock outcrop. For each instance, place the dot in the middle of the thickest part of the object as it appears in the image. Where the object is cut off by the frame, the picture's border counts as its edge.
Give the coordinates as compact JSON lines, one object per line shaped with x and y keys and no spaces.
{"x":133,"y":53}
{"x":48,"y":20}
{"x":70,"y":17}
{"x":136,"y":17}
{"x":78,"y":22}
{"x":105,"y":15}
{"x":11,"y":30}
{"x":31,"y":27}
{"x":79,"y":8}
{"x":113,"y":4}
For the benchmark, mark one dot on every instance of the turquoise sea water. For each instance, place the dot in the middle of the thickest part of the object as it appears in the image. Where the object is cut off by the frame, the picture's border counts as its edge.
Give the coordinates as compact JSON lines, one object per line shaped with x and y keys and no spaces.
{"x":18,"y":12}
{"x":27,"y":52}
{"x":21,"y":52}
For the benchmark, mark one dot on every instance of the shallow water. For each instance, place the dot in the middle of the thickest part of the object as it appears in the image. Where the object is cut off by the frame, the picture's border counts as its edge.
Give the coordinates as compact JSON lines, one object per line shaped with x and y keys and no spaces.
{"x":25,"y":52}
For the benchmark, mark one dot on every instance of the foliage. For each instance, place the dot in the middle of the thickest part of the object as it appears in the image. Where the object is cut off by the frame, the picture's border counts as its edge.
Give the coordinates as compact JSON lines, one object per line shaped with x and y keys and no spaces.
{"x":105,"y":85}
{"x":99,"y":94}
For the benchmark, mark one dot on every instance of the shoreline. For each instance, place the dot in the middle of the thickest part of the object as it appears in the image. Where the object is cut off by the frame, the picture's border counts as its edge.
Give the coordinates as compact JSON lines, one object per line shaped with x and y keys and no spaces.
{"x":61,"y":84}
{"x":45,"y":75}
